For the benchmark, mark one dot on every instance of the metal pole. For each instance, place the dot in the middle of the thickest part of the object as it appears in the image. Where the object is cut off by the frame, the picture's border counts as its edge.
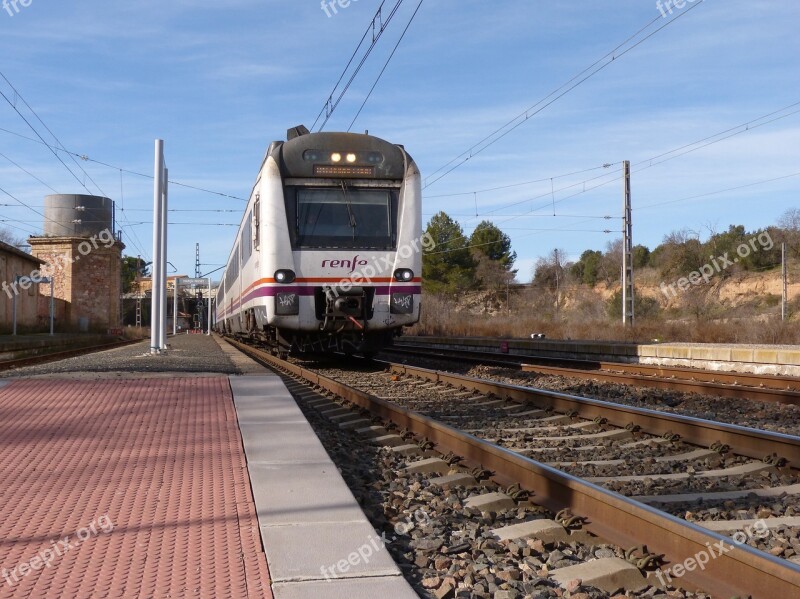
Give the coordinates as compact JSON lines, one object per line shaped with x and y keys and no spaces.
{"x":785,"y":277}
{"x":163,"y":225}
{"x":175,"y":308}
{"x":627,"y":248}
{"x":209,"y":306}
{"x":14,"y":308}
{"x":158,"y":197}
{"x":52,"y":308}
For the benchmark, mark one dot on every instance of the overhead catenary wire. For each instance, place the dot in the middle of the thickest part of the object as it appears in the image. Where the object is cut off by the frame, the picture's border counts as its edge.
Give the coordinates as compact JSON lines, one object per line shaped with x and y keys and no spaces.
{"x":58,"y":141}
{"x":592,"y":70}
{"x":86,"y":158}
{"x":705,"y":142}
{"x":386,"y":64}
{"x":330,"y":105}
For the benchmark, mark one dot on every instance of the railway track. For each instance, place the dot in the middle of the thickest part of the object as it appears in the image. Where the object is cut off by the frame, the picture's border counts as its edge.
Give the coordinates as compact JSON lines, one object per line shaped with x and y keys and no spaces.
{"x":62,"y":355}
{"x":513,"y":432}
{"x":768,"y":388}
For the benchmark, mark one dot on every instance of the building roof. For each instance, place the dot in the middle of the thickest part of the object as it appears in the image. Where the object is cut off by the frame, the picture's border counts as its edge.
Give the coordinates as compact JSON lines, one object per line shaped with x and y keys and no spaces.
{"x":10,"y":249}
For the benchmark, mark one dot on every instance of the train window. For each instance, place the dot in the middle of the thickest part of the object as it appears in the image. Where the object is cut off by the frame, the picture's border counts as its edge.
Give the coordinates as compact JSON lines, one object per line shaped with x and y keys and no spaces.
{"x":247,"y":236}
{"x":257,"y":222}
{"x":344,"y":217}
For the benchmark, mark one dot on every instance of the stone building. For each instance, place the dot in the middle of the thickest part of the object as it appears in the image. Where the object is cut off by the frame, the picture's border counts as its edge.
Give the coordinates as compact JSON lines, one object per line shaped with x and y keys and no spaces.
{"x":15,"y":263}
{"x":85,"y":259}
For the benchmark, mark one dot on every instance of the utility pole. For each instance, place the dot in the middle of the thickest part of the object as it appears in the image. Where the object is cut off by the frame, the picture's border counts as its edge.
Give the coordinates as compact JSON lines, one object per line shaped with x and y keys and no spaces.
{"x":785,"y":283}
{"x":627,"y":248}
{"x":199,"y":308}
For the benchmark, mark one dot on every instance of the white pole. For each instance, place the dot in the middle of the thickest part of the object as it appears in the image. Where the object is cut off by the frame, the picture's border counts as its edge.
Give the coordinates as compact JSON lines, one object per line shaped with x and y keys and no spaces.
{"x":209,"y":305}
{"x":52,"y":311}
{"x":175,"y":307}
{"x":14,"y":307}
{"x":163,"y":225}
{"x":158,"y":197}
{"x":784,"y":281}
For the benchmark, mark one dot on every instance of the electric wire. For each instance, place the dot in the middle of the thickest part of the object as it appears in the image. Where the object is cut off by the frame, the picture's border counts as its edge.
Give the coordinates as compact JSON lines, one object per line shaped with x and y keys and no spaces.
{"x":553,"y":96}
{"x":386,"y":64}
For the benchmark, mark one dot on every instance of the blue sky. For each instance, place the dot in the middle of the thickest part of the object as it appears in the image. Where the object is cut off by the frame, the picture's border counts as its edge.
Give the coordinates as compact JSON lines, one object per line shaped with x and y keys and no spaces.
{"x":218,"y":81}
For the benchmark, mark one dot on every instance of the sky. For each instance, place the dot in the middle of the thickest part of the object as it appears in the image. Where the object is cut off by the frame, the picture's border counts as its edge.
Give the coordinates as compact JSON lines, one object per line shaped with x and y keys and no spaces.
{"x":219,"y":81}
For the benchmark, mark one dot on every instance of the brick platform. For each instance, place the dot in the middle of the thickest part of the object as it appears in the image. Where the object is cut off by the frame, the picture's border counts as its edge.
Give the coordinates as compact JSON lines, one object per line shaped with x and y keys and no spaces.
{"x":159,"y":460}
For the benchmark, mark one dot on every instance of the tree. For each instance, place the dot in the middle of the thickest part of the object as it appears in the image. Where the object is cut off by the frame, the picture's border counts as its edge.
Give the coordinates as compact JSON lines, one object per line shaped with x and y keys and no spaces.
{"x":131,"y":268}
{"x":490,"y":241}
{"x":549,"y":275}
{"x":587,"y":268}
{"x":11,"y":238}
{"x":789,"y":222}
{"x":450,"y":265}
{"x":641,"y":256}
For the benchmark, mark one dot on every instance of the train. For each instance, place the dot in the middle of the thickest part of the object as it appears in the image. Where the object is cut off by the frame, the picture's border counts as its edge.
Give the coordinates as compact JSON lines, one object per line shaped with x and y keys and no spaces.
{"x":328,"y":256}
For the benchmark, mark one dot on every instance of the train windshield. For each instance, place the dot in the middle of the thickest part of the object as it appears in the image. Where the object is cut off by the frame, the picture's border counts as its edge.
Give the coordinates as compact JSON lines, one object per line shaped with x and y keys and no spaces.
{"x":344,"y":217}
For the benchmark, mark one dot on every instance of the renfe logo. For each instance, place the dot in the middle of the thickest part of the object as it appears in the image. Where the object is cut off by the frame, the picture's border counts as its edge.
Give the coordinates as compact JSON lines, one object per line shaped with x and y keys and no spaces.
{"x":351,"y":264}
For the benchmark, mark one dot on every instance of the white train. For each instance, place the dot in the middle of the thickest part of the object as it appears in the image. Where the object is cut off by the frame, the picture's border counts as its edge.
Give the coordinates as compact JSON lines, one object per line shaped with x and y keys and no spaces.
{"x":329,"y":253}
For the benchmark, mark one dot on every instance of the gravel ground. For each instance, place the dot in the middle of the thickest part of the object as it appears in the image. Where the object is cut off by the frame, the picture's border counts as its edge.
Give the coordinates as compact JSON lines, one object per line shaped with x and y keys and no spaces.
{"x":444,"y":549}
{"x":496,"y":425}
{"x":755,"y":414}
{"x":187,"y":354}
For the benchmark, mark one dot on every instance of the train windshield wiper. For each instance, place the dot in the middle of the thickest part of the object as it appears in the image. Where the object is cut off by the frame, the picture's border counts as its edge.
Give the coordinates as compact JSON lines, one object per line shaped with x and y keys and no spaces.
{"x":350,"y":214}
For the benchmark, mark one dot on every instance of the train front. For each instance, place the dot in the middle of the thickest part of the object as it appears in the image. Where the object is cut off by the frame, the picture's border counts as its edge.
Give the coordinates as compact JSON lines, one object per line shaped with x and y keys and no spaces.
{"x":347,"y":277}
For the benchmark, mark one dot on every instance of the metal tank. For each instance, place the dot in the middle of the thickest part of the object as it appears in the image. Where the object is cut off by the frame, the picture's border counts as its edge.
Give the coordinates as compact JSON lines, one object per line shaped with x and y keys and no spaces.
{"x":74,"y":215}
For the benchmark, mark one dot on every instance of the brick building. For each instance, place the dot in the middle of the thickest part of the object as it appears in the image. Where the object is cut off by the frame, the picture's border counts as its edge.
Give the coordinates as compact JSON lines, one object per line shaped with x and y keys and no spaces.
{"x":84,"y":258}
{"x":16,"y":263}
{"x":87,"y":278}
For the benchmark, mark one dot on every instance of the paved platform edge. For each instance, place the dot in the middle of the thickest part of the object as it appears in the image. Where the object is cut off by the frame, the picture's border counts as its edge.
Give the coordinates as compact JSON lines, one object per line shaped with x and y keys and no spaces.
{"x":317,"y":540}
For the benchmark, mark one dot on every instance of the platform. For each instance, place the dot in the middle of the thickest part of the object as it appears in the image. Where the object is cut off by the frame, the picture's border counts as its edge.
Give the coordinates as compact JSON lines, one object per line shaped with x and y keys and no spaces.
{"x":757,"y":359}
{"x":120,"y":480}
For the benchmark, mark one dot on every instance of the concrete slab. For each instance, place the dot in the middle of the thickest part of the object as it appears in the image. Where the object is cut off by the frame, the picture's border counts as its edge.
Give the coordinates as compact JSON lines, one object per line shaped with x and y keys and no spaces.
{"x":548,"y":531}
{"x":408,"y":449}
{"x":428,"y":466}
{"x":608,"y":574}
{"x":743,"y":469}
{"x":281,"y":443}
{"x":372,"y":432}
{"x":459,"y":479}
{"x":491,"y":502}
{"x":697,"y":454}
{"x":292,"y":494}
{"x":388,"y":441}
{"x":253,"y":409}
{"x":349,"y":417}
{"x":334,"y":411}
{"x":729,"y":526}
{"x":260,"y":386}
{"x":587,"y":463}
{"x":306,"y":551}
{"x":354,"y":424}
{"x":720,"y":496}
{"x":391,"y":587}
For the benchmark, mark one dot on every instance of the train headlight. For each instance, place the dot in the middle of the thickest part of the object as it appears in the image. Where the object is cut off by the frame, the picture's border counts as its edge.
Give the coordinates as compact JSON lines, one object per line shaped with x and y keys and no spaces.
{"x":351,"y":158}
{"x":284,"y":276}
{"x":403,"y":275}
{"x":336,"y":157}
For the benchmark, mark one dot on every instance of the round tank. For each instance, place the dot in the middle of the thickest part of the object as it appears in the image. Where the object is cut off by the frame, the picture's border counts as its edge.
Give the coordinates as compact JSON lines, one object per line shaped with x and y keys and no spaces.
{"x":72,"y":215}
